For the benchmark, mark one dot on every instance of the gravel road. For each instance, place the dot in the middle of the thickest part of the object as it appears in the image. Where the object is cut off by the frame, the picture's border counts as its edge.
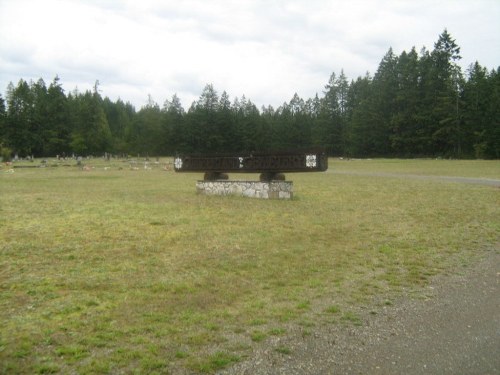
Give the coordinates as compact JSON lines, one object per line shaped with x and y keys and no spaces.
{"x":454,"y":330}
{"x":458,"y":179}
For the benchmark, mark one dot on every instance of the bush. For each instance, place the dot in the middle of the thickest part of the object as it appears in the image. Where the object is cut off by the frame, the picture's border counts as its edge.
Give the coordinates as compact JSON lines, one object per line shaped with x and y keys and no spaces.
{"x":5,"y":153}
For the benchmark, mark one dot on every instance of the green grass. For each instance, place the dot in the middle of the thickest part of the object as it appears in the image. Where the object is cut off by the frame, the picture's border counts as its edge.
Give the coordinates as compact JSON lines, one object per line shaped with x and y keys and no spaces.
{"x":214,"y":362}
{"x":283,"y":350}
{"x":130,"y":271}
{"x":352,"y":318}
{"x":258,"y":336}
{"x":334,"y":309}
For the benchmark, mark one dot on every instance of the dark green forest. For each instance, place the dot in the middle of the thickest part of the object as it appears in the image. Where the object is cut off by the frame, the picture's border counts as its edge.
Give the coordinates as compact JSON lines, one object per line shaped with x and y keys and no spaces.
{"x":417,"y":104}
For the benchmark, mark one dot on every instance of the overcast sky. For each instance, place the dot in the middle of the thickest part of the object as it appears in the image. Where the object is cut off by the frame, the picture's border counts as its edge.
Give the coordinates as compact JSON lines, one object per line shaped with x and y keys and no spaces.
{"x":266,"y":50}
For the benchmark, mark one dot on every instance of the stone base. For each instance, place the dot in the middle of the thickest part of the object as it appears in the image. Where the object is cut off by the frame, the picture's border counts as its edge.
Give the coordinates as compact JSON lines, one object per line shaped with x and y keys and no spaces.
{"x":252,"y":189}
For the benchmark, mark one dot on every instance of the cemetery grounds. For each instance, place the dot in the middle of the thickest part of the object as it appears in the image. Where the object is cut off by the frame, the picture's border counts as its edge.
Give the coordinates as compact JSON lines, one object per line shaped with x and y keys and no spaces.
{"x":120,"y":267}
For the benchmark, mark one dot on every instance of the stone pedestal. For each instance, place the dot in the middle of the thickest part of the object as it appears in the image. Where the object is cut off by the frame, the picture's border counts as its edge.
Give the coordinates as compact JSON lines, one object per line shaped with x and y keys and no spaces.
{"x":253,"y":189}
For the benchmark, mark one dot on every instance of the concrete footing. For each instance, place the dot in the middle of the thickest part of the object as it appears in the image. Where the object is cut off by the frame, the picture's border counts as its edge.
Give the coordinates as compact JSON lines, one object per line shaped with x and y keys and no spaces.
{"x":254,"y":189}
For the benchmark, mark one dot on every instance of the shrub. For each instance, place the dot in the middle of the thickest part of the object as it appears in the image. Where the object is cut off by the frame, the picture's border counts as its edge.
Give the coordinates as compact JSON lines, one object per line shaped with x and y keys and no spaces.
{"x":5,"y":153}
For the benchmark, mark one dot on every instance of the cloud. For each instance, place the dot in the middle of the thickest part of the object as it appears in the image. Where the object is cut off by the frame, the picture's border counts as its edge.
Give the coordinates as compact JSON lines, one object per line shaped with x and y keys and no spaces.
{"x":264,"y":50}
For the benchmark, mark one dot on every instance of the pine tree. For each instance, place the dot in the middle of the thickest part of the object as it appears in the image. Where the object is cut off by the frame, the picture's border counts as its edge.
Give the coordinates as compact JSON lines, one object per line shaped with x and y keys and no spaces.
{"x":57,"y":125}
{"x":360,"y":133}
{"x":383,"y":101}
{"x":481,"y":113}
{"x":173,"y":126}
{"x":20,"y":120}
{"x":3,"y":116}
{"x":149,"y":139}
{"x":404,"y":124}
{"x":446,"y":85}
{"x":91,"y":134}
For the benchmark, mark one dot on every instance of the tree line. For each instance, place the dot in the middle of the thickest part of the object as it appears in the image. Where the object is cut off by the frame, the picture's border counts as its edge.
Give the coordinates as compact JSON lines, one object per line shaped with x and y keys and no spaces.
{"x":417,"y":104}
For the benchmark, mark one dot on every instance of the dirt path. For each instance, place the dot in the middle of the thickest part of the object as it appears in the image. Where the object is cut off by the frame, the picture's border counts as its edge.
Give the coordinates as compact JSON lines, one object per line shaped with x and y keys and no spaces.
{"x":454,"y":331}
{"x":458,"y":179}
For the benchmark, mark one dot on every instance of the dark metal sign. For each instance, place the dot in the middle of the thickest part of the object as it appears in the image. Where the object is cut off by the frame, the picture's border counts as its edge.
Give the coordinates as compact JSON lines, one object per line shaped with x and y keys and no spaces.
{"x":270,"y":163}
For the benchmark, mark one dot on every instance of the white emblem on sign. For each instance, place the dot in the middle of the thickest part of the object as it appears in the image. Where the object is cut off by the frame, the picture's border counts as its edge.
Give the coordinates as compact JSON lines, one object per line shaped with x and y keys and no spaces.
{"x":310,"y":161}
{"x":178,"y":163}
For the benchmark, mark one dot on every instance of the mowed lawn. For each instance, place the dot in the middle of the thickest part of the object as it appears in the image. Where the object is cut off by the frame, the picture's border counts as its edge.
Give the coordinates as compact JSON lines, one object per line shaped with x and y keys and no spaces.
{"x":120,"y":270}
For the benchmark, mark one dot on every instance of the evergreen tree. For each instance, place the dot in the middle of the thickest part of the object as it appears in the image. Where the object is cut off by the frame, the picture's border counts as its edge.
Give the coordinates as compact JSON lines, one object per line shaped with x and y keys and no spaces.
{"x":40,"y":117}
{"x":148,"y":138}
{"x":204,"y":122}
{"x":300,"y":127}
{"x":481,"y":114}
{"x":405,"y":135}
{"x":476,"y":96}
{"x":425,"y":118}
{"x":20,"y":128}
{"x":493,"y":114}
{"x":173,"y":125}
{"x":91,"y":134}
{"x":330,"y":121}
{"x":120,"y":117}
{"x":57,"y":129}
{"x":3,"y":116}
{"x":446,"y":86}
{"x":358,"y":134}
{"x":225,"y":125}
{"x":321,"y":135}
{"x":332,"y":115}
{"x":268,"y":119}
{"x":383,"y":100}
{"x":251,"y":131}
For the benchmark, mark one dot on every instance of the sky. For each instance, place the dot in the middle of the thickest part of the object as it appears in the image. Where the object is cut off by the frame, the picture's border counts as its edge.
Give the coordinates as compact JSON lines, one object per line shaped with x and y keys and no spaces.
{"x":267,"y":50}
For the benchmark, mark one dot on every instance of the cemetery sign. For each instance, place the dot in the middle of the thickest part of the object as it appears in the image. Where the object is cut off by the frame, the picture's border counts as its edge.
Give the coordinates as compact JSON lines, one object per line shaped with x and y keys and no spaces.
{"x":271,"y":165}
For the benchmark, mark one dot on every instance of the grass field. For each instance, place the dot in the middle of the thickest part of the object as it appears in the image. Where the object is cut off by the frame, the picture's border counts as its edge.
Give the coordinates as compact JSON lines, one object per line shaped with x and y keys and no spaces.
{"x":115,"y":270}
